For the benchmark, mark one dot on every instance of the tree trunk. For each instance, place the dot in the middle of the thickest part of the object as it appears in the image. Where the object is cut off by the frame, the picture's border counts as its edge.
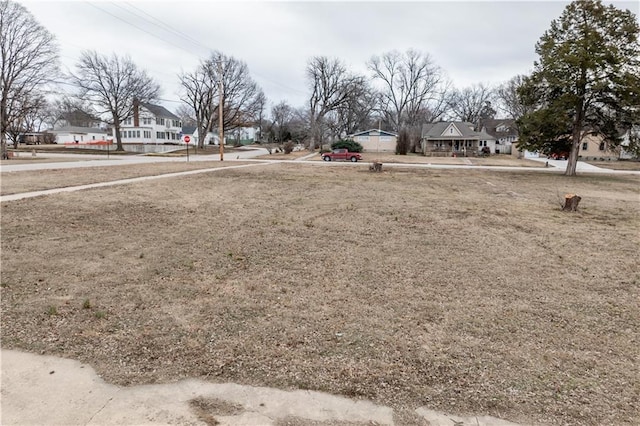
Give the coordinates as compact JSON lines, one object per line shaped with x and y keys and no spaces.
{"x":376,"y":167}
{"x":3,"y":131}
{"x":572,"y":161}
{"x":3,"y":146}
{"x":313,"y":125}
{"x":571,"y":202}
{"x":116,"y":128}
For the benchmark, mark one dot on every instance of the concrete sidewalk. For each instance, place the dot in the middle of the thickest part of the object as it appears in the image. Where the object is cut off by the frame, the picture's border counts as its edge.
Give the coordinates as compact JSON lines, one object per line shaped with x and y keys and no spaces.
{"x":39,"y":390}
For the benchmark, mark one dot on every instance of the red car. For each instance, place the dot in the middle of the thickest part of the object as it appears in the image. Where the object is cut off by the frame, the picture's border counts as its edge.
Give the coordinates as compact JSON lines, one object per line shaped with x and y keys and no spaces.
{"x":341,"y":154}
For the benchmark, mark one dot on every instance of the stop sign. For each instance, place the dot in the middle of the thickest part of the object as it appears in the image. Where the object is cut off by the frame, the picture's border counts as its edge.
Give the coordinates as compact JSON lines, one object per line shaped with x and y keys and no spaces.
{"x":187,"y":139}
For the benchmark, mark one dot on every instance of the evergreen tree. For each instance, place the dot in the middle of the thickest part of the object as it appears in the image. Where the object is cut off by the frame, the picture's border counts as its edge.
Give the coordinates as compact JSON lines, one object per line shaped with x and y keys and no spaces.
{"x":587,"y":79}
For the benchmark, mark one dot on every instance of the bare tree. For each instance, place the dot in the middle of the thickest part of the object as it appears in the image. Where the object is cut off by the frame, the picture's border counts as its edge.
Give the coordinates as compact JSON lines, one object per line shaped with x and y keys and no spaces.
{"x":198,"y":91}
{"x":242,"y":97}
{"x":69,"y":111}
{"x":356,"y":113}
{"x":29,"y":62}
{"x":331,"y":87}
{"x":111,"y":84}
{"x":186,"y":114}
{"x":281,"y":115}
{"x":411,"y":82}
{"x":259,"y":120}
{"x":472,"y":103}
{"x":508,"y":100}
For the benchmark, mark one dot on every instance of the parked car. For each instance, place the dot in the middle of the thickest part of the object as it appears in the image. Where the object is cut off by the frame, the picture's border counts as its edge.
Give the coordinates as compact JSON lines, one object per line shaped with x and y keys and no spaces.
{"x":341,"y":154}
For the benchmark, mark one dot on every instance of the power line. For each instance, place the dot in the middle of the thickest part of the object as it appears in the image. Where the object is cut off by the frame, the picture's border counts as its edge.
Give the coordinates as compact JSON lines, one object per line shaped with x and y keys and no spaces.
{"x":139,"y":28}
{"x":168,"y":27}
{"x":185,"y":36}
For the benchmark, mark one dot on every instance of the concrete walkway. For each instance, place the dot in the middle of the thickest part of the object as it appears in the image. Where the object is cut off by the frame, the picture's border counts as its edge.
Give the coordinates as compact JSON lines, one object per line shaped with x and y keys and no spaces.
{"x":39,"y":390}
{"x":23,"y":195}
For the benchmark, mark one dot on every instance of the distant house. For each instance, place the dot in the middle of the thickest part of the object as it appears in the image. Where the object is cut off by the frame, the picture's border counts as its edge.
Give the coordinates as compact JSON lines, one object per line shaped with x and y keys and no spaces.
{"x":625,"y":152}
{"x":240,"y":135}
{"x":78,"y":118}
{"x":454,"y":137}
{"x":188,"y":131}
{"x":593,"y":146}
{"x":375,"y":140}
{"x":504,"y":132}
{"x":151,"y":124}
{"x":75,"y":134}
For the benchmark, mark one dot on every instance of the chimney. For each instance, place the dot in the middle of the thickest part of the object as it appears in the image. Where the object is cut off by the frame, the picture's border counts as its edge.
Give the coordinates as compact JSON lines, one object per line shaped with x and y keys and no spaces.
{"x":136,"y":112}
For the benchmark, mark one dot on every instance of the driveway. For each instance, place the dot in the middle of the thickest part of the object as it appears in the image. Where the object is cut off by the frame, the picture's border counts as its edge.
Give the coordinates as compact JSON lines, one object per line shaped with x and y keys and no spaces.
{"x":38,"y":390}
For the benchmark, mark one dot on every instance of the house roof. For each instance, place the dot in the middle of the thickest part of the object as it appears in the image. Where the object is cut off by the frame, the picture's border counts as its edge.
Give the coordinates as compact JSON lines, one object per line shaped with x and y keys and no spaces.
{"x":77,"y":129}
{"x":459,"y":130}
{"x":188,"y":130}
{"x":159,"y":111}
{"x":491,"y":127}
{"x":368,"y":132}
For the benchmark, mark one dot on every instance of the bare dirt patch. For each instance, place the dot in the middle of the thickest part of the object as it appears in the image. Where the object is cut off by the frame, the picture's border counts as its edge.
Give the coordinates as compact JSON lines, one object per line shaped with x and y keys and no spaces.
{"x":463,"y":291}
{"x":26,"y":181}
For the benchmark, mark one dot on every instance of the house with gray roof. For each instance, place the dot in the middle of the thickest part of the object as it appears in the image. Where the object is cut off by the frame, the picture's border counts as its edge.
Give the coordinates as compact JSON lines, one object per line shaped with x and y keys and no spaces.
{"x":504,"y":131}
{"x":151,"y":124}
{"x":454,"y":138}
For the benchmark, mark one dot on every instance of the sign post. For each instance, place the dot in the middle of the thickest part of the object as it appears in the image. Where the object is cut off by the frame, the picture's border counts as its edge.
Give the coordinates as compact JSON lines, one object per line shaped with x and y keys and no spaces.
{"x":187,"y":139}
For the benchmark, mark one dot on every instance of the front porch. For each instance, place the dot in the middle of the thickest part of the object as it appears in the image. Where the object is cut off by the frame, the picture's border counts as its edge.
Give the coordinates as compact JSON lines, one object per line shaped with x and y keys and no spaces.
{"x":448,"y":148}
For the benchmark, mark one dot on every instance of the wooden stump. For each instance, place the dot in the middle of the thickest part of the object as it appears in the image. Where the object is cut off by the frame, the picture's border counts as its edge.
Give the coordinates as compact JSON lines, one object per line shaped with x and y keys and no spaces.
{"x":571,"y":202}
{"x":375,"y":167}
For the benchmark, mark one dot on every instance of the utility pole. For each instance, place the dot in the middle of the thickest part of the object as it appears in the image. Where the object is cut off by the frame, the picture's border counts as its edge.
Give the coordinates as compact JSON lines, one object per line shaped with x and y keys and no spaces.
{"x":221,"y":110}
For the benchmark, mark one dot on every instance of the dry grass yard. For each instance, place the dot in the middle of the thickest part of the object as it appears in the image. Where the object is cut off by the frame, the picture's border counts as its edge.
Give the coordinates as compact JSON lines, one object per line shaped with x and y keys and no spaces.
{"x":18,"y":182}
{"x":464,"y":291}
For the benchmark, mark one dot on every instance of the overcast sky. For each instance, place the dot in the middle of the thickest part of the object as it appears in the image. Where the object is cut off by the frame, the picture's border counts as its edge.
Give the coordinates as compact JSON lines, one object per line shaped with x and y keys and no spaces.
{"x":472,"y":41}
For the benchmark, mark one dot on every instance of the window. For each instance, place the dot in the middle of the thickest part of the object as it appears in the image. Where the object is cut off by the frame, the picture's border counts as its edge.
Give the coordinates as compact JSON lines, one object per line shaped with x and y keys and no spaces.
{"x":176,"y":123}
{"x":147,"y":134}
{"x":146,"y":120}
{"x":450,"y":130}
{"x":601,"y":146}
{"x":137,"y":133}
{"x":160,"y":135}
{"x":127,"y":122}
{"x":160,"y":121}
{"x":585,"y":146}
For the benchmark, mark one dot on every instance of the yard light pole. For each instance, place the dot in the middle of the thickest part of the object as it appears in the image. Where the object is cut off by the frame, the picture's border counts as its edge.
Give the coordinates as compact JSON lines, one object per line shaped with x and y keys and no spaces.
{"x":221,"y":111}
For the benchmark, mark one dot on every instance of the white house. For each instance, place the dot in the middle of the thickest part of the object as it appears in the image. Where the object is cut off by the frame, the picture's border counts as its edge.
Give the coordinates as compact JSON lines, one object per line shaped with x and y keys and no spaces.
{"x":625,"y":153}
{"x":244,"y":135}
{"x":80,"y":135}
{"x":376,"y":140}
{"x":504,"y":132}
{"x":151,"y":124}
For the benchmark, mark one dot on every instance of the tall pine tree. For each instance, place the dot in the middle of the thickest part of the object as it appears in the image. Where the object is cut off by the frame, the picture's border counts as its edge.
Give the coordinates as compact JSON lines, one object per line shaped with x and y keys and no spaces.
{"x":587,"y":79}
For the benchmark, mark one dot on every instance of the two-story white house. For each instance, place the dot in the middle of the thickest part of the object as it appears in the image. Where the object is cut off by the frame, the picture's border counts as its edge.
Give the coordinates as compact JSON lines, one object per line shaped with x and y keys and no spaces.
{"x":151,"y":124}
{"x":504,"y":132}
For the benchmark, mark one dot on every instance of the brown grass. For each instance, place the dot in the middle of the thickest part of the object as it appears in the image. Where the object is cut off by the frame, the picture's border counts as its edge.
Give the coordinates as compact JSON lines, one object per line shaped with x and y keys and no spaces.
{"x":496,"y":160}
{"x":617,"y":165}
{"x":27,"y":181}
{"x":464,"y":291}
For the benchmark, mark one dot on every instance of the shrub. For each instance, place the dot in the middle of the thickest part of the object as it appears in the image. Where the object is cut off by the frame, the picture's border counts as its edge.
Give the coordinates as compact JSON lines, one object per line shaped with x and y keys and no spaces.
{"x":352,"y":146}
{"x":402,"y":145}
{"x":288,"y":147}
